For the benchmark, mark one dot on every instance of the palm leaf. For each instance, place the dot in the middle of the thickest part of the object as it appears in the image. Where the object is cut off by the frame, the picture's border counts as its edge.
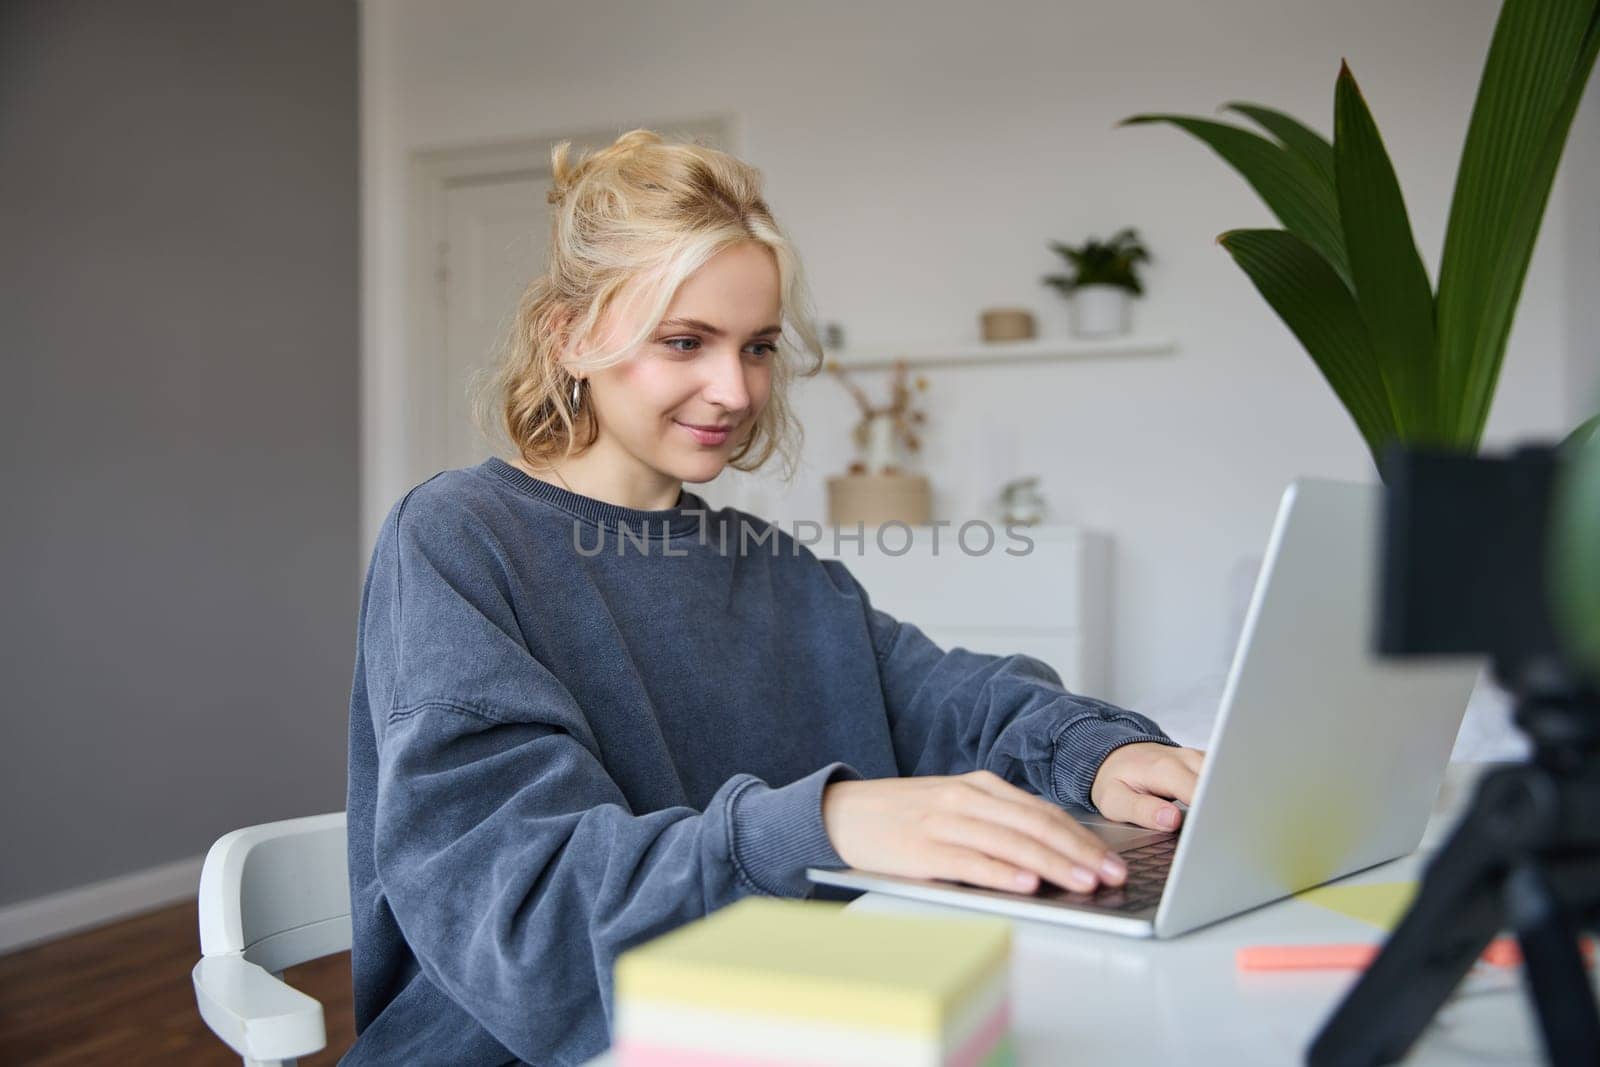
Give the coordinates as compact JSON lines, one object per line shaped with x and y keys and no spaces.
{"x":1391,"y":284}
{"x":1539,"y":61}
{"x":1585,"y":432}
{"x":1295,"y":135}
{"x":1292,"y":188}
{"x":1311,"y":299}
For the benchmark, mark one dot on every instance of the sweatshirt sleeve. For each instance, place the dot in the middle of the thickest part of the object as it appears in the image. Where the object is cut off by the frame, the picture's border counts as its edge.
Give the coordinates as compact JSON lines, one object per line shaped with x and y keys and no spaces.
{"x":510,"y":858}
{"x":953,"y":711}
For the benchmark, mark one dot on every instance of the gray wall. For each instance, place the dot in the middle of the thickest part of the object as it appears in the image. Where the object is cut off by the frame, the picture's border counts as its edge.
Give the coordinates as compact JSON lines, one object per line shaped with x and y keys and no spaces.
{"x":178,"y":332}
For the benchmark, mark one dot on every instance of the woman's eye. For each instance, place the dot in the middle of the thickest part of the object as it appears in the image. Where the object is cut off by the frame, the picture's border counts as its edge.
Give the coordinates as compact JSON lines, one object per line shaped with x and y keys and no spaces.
{"x":763,"y":348}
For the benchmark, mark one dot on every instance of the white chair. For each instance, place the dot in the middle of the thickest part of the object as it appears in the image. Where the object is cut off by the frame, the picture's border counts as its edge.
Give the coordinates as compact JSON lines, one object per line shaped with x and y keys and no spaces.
{"x":271,"y":896}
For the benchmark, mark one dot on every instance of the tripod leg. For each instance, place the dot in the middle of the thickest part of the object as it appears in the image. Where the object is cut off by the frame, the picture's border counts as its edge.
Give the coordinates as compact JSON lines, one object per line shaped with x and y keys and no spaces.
{"x":1458,"y":909}
{"x":1557,"y":980}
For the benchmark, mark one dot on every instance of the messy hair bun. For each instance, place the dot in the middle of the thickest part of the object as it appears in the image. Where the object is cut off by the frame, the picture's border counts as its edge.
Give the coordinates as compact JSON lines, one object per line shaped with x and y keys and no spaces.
{"x":564,"y":173}
{"x":632,"y":221}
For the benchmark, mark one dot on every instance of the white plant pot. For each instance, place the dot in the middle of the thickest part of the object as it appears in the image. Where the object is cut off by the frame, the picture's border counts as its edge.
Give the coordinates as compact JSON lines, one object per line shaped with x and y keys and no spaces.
{"x":1099,"y":311}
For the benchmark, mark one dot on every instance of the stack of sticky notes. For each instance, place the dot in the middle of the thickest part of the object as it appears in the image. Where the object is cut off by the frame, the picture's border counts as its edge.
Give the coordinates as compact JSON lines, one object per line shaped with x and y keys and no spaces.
{"x":767,"y":982}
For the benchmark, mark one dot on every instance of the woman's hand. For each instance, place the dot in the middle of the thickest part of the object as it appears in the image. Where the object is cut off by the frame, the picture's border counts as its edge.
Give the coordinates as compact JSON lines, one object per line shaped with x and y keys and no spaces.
{"x":1136,"y":782}
{"x":974,"y":828}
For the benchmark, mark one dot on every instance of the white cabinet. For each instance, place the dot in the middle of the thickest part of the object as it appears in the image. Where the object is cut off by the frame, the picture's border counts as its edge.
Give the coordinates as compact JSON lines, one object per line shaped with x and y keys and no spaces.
{"x":1049,"y":601}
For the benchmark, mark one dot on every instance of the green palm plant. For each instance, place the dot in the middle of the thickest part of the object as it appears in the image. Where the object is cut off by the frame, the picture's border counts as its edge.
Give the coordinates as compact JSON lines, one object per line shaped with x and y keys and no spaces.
{"x":1411,"y":364}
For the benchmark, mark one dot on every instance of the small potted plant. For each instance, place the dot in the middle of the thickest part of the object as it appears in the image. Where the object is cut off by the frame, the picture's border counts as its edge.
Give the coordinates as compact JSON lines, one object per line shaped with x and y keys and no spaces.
{"x":1102,"y":282}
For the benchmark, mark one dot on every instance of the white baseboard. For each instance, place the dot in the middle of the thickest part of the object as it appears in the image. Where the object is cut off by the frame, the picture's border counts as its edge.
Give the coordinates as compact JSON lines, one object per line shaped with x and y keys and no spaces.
{"x":44,"y":918}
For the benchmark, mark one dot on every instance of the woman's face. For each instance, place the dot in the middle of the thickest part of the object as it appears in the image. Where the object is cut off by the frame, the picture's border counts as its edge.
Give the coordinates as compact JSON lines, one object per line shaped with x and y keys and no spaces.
{"x":707,"y":366}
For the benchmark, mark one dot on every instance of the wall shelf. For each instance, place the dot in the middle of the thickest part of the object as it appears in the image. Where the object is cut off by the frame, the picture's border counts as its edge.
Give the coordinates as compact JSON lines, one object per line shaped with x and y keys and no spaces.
{"x":1035,"y":350}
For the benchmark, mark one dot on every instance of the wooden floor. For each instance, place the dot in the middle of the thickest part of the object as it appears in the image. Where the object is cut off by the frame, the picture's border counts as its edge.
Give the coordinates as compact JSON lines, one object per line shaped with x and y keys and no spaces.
{"x":121,"y":994}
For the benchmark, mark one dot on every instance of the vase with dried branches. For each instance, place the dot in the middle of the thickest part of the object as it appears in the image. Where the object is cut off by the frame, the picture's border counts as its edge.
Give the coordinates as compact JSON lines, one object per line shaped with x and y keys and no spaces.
{"x":876,"y":489}
{"x":883,"y":427}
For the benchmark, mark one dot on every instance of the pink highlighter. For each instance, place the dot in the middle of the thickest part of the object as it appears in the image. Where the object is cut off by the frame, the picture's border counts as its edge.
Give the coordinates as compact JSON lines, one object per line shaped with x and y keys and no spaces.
{"x":1502,"y":952}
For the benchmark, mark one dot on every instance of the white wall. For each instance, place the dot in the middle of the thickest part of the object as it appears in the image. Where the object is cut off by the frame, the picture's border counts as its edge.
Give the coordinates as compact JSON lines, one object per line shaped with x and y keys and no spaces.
{"x":922,"y":154}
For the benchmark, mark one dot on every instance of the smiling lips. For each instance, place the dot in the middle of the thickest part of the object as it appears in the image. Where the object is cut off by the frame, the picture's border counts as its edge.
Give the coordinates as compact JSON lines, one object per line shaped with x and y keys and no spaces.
{"x":708,"y":435}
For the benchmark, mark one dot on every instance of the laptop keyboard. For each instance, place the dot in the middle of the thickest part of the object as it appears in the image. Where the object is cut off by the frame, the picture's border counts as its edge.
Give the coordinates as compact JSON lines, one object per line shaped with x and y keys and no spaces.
{"x":1147,"y":877}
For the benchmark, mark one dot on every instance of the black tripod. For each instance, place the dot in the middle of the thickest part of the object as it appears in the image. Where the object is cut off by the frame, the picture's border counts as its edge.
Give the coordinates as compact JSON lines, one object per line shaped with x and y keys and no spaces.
{"x":1525,"y":856}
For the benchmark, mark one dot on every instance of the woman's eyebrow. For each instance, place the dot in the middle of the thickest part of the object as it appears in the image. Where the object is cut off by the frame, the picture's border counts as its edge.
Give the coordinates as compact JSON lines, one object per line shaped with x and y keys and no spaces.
{"x":706,"y":327}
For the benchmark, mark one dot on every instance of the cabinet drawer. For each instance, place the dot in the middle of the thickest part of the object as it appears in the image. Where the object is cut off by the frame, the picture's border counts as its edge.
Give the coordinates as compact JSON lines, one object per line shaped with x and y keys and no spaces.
{"x":1048,"y":602}
{"x":1057,"y":584}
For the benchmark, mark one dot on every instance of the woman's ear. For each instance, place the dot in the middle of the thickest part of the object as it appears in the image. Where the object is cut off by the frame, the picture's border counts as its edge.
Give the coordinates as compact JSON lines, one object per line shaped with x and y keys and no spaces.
{"x":561,"y":330}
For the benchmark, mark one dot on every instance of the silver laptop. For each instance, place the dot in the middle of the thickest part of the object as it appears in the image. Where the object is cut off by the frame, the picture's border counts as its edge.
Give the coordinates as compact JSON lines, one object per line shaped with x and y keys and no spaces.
{"x":1324,"y":759}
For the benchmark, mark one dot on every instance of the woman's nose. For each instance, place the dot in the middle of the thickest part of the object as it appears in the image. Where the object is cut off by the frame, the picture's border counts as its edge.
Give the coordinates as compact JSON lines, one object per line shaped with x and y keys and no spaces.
{"x":727,"y":387}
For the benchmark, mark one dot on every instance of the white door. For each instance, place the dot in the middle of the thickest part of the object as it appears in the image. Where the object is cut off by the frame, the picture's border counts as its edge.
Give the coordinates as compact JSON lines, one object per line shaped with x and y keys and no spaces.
{"x":495,"y":234}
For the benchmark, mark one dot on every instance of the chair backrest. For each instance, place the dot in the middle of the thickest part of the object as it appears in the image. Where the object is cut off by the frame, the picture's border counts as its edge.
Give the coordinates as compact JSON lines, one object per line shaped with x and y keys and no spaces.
{"x":278,"y":893}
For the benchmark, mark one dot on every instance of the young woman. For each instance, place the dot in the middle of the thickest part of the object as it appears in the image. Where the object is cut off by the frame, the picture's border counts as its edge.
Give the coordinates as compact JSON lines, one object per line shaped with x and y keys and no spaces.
{"x":588,"y":709}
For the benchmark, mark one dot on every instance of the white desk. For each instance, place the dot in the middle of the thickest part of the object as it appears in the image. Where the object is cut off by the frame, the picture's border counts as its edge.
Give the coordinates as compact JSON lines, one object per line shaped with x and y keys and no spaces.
{"x":1084,"y":997}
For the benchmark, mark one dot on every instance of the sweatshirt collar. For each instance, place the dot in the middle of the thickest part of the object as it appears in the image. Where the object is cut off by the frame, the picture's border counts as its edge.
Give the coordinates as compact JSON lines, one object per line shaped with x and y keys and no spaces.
{"x":685,"y":517}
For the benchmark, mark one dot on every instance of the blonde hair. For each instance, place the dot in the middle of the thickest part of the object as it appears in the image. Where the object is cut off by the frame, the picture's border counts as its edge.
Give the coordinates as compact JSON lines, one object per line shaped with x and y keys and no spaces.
{"x":632,"y":221}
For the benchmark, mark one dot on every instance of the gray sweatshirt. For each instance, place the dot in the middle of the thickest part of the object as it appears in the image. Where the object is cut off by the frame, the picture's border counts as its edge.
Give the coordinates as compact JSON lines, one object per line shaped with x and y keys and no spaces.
{"x":576,"y":726}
